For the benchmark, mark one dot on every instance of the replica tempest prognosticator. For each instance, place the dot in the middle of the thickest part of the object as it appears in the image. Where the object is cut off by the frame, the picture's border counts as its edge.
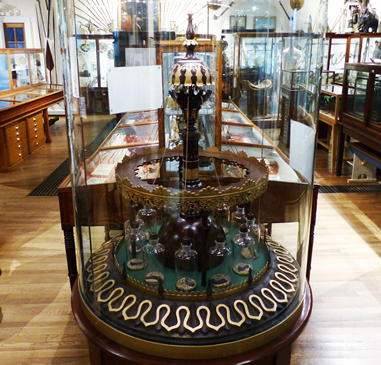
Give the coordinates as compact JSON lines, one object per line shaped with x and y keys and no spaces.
{"x":194,"y":209}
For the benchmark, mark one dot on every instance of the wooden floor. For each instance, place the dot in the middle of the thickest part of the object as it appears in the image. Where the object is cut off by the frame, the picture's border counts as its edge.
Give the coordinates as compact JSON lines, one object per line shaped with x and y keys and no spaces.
{"x":37,"y":326}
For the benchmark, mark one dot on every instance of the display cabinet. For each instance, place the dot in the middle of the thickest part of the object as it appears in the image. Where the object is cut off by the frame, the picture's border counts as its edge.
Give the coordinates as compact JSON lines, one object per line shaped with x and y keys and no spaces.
{"x":329,"y":112}
{"x":24,"y":101}
{"x":360,"y":115}
{"x":193,"y":220}
{"x":350,"y":48}
{"x":95,"y":60}
{"x":259,"y":60}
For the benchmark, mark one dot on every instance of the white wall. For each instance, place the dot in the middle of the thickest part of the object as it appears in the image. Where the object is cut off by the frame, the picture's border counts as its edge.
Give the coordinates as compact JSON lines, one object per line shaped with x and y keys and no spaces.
{"x":35,"y":28}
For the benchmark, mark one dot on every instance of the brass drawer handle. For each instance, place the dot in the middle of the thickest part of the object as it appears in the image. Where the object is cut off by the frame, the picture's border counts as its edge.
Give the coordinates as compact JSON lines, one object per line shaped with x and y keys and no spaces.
{"x":35,"y":124}
{"x":19,"y":146}
{"x":17,"y":128}
{"x":37,"y":144}
{"x":35,"y":129}
{"x":34,"y":119}
{"x":36,"y":136}
{"x":17,"y":134}
{"x":18,"y":139}
{"x":20,"y":154}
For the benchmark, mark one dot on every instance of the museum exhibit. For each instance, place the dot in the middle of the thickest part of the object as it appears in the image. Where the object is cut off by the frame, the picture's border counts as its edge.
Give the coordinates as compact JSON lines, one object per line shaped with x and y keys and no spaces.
{"x":190,"y":182}
{"x":213,"y":148}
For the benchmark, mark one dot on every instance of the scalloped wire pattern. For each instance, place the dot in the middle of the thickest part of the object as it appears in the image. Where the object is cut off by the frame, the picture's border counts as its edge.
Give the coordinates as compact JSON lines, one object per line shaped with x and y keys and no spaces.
{"x":274,"y":294}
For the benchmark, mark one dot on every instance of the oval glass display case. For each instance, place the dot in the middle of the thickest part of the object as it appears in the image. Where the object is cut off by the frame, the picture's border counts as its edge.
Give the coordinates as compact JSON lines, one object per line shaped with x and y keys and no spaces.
{"x":191,"y":175}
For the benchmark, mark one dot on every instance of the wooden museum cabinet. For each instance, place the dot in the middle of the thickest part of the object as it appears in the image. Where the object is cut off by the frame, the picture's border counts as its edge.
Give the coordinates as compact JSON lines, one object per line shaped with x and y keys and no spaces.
{"x":24,"y":100}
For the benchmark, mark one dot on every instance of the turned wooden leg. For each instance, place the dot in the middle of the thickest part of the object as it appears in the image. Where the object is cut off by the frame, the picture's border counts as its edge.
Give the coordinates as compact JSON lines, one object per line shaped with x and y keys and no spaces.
{"x":70,"y":255}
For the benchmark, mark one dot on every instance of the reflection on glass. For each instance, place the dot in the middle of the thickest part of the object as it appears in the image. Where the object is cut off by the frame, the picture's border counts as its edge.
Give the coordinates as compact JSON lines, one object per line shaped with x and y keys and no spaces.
{"x":4,"y":73}
{"x":106,"y":59}
{"x":87,"y":63}
{"x":20,"y":69}
{"x":376,"y":109}
{"x":37,"y":64}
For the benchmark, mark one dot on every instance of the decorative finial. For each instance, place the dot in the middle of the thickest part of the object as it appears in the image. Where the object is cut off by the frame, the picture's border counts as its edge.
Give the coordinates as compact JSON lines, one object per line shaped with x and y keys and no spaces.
{"x":190,"y":31}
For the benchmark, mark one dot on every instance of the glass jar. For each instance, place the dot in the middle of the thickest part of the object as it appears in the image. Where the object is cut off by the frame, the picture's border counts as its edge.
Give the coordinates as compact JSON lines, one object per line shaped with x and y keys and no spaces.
{"x":154,"y":259}
{"x":244,"y":252}
{"x":186,"y":267}
{"x":220,"y":263}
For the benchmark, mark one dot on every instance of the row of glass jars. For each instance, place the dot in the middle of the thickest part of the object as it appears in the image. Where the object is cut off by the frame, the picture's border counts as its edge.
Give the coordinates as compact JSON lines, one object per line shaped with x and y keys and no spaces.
{"x":144,"y":251}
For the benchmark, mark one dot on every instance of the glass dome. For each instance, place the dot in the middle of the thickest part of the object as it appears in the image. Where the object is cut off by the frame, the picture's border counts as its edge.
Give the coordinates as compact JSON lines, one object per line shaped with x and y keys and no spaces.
{"x":188,"y":121}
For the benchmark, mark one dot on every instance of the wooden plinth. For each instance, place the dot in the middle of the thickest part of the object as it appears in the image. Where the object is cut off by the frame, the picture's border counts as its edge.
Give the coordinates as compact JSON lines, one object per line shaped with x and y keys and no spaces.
{"x":103,"y":351}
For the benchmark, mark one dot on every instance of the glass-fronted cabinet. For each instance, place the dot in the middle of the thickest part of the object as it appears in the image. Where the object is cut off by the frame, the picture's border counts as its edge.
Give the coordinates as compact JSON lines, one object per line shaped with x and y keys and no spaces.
{"x":193,"y":206}
{"x":360,"y":116}
{"x":27,"y":68}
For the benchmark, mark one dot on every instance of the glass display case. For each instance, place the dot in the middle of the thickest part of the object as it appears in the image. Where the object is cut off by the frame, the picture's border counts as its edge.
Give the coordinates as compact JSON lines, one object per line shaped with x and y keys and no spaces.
{"x":350,"y":48}
{"x":27,"y":67}
{"x":162,"y":257}
{"x":95,"y":61}
{"x":360,"y":116}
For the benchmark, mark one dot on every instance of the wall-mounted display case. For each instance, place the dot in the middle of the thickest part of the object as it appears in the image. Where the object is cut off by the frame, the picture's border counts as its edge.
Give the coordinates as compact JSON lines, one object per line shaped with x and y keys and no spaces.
{"x":193,"y":219}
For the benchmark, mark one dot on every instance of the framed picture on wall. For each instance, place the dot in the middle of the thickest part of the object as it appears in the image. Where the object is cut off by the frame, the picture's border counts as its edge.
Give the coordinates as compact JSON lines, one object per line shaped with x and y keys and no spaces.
{"x":265,"y":23}
{"x":238,"y":23}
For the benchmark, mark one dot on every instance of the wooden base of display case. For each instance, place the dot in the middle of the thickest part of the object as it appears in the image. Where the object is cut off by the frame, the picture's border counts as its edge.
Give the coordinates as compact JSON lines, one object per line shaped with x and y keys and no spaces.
{"x":103,"y":350}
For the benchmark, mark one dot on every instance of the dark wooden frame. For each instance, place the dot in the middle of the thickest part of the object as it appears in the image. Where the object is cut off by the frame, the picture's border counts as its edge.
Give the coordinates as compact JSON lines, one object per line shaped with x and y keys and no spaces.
{"x":360,"y":129}
{"x":14,"y":25}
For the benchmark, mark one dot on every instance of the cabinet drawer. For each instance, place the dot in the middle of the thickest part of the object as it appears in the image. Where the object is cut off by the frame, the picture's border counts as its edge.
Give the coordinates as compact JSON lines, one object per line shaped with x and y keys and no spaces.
{"x":34,"y":120}
{"x":15,"y":130}
{"x":18,"y":151}
{"x":39,"y":128}
{"x":36,"y":141}
{"x":16,"y":138}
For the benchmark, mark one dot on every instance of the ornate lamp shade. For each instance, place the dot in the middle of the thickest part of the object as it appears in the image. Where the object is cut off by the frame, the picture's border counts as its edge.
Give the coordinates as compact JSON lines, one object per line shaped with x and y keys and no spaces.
{"x":190,"y":71}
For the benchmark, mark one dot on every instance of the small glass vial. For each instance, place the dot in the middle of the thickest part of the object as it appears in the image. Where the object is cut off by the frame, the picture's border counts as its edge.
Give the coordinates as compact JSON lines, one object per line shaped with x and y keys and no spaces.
{"x":222,"y":215}
{"x":220,"y":263}
{"x":153,"y":256}
{"x":149,"y":218}
{"x":127,"y":229}
{"x":244,"y":253}
{"x":186,"y":266}
{"x":254,"y":230}
{"x":134,"y":248}
{"x":238,"y":217}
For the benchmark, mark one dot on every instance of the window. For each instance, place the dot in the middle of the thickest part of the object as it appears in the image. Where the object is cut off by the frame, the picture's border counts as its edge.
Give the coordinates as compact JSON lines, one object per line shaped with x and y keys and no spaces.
{"x":14,"y":35}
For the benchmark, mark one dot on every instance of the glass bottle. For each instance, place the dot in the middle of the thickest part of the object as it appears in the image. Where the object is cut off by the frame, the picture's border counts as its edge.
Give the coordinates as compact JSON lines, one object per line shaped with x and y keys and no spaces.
{"x":243,"y":252}
{"x":254,"y":230}
{"x":148,"y":216}
{"x":238,"y":217}
{"x":222,"y":215}
{"x":134,"y":249}
{"x":186,"y":266}
{"x":127,"y":228}
{"x":220,"y":263}
{"x":153,"y":256}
